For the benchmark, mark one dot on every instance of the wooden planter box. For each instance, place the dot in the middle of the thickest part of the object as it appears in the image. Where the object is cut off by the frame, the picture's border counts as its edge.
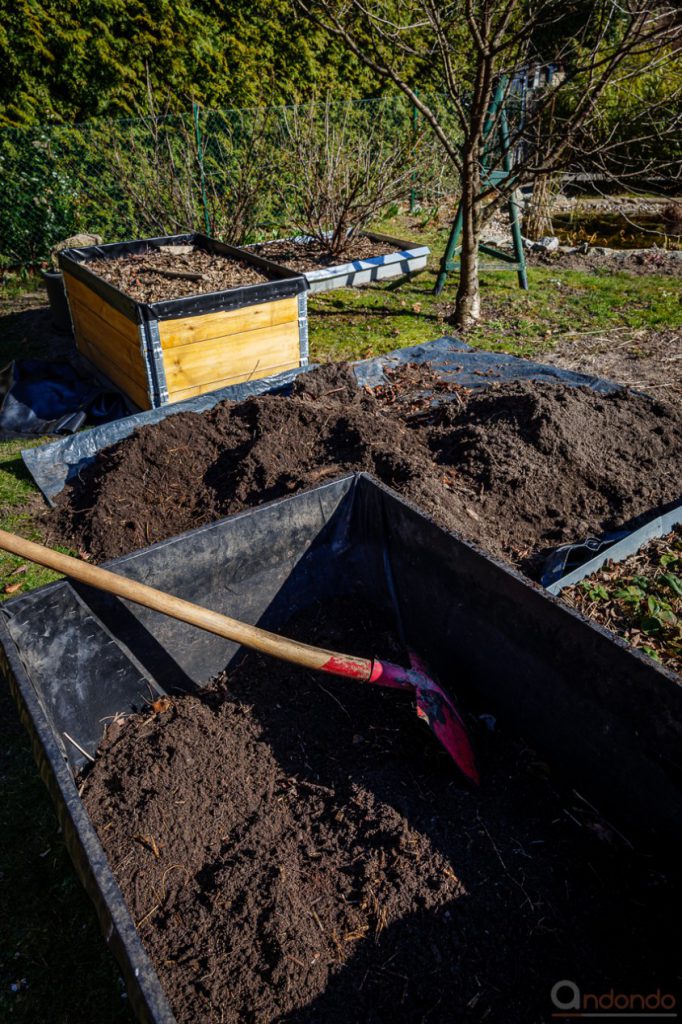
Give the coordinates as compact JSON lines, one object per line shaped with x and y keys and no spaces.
{"x":162,"y":352}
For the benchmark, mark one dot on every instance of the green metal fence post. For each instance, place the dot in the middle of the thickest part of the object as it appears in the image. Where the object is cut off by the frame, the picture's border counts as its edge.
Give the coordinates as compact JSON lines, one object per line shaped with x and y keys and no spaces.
{"x":202,"y":173}
{"x":415,"y":122}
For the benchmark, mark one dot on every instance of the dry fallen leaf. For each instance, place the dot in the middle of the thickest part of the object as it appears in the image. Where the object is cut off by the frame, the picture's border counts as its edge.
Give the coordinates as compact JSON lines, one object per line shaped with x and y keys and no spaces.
{"x":11,"y":588}
{"x":161,"y":704}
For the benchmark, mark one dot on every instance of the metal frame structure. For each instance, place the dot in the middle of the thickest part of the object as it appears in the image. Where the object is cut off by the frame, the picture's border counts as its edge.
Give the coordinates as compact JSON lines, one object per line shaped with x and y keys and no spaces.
{"x":496,"y":136}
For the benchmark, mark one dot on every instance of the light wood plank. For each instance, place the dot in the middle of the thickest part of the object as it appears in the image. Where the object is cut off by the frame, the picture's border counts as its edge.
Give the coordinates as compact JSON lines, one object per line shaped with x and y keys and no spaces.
{"x":78,"y":291}
{"x":112,"y":370}
{"x":186,"y":331}
{"x":115,"y":346}
{"x":135,"y":372}
{"x":202,"y":389}
{"x":252,"y":352}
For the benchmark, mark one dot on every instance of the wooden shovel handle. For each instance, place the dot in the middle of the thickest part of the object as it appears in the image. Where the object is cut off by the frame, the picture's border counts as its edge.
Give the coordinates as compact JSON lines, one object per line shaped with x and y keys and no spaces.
{"x":185,"y":611}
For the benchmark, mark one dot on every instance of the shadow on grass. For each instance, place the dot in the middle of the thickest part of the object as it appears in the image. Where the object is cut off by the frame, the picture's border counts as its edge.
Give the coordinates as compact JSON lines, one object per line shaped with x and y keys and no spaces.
{"x":14,"y":466}
{"x":377,"y":312}
{"x":29,"y":334}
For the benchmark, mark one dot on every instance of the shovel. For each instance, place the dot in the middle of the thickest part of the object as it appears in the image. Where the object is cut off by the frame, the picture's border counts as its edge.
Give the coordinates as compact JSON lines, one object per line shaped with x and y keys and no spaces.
{"x":433,"y":704}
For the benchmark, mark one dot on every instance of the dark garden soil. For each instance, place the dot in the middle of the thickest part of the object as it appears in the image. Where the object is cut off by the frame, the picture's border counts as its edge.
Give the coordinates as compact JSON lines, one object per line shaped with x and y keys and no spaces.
{"x":304,"y":851}
{"x":171,"y":271}
{"x":640,"y":262}
{"x":311,"y":254}
{"x":516,"y":467}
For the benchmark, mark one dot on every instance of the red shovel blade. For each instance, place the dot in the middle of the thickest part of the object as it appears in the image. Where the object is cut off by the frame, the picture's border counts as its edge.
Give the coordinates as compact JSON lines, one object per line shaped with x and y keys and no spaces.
{"x":435,"y":707}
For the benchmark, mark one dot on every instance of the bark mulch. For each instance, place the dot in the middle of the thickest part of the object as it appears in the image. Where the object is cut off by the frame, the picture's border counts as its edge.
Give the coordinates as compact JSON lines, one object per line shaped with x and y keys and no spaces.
{"x":173,"y":271}
{"x":310,"y":254}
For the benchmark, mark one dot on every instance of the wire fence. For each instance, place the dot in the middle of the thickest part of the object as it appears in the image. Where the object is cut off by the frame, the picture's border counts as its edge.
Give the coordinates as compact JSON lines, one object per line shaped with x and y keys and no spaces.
{"x":239,"y":175}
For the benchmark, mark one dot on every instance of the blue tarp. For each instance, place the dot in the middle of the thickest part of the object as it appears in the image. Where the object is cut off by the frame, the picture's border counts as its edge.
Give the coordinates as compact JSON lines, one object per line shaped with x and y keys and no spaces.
{"x":43,"y":397}
{"x":51,"y":465}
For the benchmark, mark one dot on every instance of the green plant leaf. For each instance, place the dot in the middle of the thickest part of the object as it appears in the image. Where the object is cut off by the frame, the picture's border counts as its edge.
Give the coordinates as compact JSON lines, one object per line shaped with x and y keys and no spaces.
{"x":674,"y":582}
{"x":631,"y":594}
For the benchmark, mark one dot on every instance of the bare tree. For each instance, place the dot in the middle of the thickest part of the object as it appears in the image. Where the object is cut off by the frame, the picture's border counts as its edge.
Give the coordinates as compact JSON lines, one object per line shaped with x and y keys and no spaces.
{"x":242,"y":156}
{"x":154,"y":157}
{"x":471,"y":46}
{"x":344,"y":163}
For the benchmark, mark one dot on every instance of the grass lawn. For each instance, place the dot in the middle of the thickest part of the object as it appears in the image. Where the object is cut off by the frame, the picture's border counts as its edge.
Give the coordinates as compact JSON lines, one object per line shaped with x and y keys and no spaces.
{"x":54,"y":965}
{"x":359,"y":323}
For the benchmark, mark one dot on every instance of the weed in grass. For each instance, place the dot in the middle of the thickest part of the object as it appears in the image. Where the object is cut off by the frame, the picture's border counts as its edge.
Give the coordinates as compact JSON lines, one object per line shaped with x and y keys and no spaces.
{"x":19,"y":282}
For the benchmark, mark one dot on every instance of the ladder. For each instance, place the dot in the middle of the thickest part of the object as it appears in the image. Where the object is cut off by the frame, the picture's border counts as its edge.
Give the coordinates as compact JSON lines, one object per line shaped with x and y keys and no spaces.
{"x":496,"y":136}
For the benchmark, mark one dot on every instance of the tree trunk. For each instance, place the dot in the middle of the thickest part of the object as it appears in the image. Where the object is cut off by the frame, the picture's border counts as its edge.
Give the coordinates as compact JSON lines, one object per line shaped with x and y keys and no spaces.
{"x":468,"y":301}
{"x":537,"y":220}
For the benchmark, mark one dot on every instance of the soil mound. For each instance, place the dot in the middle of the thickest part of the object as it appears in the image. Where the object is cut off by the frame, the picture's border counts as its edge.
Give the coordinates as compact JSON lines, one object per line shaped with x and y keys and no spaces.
{"x":517,"y":467}
{"x":291,"y":848}
{"x":558,"y":463}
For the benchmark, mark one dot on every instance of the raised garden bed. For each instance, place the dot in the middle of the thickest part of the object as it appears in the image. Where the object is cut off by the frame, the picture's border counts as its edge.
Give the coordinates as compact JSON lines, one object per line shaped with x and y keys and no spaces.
{"x":633,"y":587}
{"x":339,"y":856}
{"x":169,"y":318}
{"x":369,"y":257}
{"x":640,"y":599}
{"x":518,"y":467}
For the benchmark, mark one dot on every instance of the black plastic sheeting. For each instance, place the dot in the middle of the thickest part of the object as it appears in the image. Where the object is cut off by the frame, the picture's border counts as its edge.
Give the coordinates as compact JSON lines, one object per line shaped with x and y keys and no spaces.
{"x":607,"y":718}
{"x":614,"y":549}
{"x":568,"y":557}
{"x":452,"y":359}
{"x":52,"y":465}
{"x":42,"y":397}
{"x":283,"y":282}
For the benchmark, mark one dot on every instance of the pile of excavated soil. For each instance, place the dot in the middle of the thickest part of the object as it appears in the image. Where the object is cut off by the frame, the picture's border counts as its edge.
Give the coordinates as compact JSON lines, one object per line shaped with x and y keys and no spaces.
{"x":293,"y":850}
{"x":516,"y":467}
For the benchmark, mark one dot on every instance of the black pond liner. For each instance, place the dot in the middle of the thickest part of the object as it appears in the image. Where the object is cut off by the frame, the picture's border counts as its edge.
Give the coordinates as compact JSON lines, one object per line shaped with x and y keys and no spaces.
{"x":607,"y":718}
